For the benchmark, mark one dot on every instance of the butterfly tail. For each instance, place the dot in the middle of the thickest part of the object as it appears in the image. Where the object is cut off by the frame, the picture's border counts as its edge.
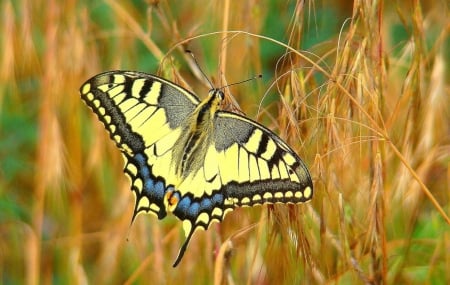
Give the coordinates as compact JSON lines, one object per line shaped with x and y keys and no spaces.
{"x":183,"y":247}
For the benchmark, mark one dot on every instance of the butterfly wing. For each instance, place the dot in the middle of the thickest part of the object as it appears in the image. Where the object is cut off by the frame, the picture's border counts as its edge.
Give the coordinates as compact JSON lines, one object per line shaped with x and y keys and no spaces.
{"x":143,"y":115}
{"x":256,"y":166}
{"x":245,"y":164}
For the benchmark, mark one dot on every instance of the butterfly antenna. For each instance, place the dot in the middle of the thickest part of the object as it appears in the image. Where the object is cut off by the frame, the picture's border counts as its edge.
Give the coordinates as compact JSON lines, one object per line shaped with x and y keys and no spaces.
{"x":199,"y":68}
{"x":243,"y":81}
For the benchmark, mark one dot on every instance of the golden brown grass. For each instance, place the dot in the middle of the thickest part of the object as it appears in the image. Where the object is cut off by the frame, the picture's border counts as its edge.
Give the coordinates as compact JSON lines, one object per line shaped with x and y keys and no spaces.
{"x":361,"y":92}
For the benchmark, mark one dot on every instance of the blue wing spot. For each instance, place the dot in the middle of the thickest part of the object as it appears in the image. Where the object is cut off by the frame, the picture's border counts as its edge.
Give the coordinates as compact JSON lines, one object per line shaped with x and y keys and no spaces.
{"x":154,"y":190}
{"x":159,"y":188}
{"x":149,"y":185}
{"x":143,"y":167}
{"x":194,"y":210}
{"x":217,"y":199}
{"x":184,"y":204}
{"x":205,"y":204}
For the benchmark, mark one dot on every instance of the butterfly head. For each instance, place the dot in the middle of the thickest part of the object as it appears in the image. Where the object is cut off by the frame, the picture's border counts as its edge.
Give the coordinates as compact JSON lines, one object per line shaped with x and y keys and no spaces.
{"x":217,"y":94}
{"x":215,"y":98}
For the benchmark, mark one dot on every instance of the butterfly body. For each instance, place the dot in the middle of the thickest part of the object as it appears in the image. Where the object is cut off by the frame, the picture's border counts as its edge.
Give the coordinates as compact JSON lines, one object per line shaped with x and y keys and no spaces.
{"x":189,"y":157}
{"x":194,"y":140}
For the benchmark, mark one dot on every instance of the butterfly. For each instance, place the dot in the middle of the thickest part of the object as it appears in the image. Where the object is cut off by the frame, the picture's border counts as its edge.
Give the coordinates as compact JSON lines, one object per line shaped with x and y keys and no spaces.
{"x":188,"y":157}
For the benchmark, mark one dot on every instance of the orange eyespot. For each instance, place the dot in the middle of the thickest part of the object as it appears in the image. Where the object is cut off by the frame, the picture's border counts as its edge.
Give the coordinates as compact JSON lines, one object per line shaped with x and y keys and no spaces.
{"x":173,"y":200}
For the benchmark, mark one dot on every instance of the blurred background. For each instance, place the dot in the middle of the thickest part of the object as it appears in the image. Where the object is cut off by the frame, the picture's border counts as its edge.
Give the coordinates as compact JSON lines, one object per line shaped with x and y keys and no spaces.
{"x":360,"y":90}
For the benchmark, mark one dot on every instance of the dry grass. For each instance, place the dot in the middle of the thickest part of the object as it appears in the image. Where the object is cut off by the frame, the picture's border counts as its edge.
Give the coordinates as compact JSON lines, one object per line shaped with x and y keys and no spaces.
{"x":361,"y":92}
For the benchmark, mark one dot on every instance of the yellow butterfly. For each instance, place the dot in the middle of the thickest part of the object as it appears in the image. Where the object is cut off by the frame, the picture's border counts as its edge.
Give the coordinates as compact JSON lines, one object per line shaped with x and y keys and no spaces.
{"x":187,"y":157}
